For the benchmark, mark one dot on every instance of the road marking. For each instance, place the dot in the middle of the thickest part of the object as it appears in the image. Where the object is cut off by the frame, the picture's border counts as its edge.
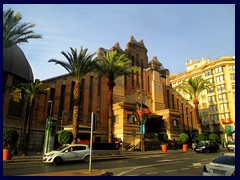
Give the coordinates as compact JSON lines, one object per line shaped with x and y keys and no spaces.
{"x":152,"y":173}
{"x":146,"y":166}
{"x":171,"y":171}
{"x":173,"y":159}
{"x":196,"y":164}
{"x":197,"y":167}
{"x":164,"y":160}
{"x":134,"y":175}
{"x":184,"y":169}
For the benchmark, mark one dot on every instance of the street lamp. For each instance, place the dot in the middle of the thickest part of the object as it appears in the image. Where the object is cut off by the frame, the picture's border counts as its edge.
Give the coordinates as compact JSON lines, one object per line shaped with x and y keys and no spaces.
{"x":48,"y":121}
{"x":141,"y":107}
{"x":50,"y":112}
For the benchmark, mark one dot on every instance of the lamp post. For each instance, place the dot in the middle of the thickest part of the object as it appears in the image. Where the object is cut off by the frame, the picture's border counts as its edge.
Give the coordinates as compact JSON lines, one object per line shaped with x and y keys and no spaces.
{"x":48,"y":121}
{"x":50,"y":112}
{"x":142,"y":112}
{"x":141,"y":119}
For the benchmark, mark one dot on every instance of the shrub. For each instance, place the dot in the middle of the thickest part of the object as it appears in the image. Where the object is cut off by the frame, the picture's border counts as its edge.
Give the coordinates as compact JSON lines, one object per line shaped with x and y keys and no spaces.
{"x":162,"y":136}
{"x":65,"y":137}
{"x":10,"y":136}
{"x":200,"y":137}
{"x":183,"y":137}
{"x":213,"y":137}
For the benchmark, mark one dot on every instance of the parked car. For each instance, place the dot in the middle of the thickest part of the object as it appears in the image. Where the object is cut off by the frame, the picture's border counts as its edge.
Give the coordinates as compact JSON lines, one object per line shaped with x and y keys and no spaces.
{"x":207,"y":146}
{"x":70,"y":152}
{"x":223,"y":165}
{"x":231,"y":146}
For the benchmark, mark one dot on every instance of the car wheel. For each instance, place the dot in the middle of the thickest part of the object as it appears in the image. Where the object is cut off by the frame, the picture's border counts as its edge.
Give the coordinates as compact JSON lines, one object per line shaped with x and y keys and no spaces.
{"x":57,"y":161}
{"x":86,"y":159}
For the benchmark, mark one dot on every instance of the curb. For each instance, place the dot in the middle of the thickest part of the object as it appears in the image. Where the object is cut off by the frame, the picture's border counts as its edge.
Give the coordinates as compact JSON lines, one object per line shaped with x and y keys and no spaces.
{"x":83,"y":172}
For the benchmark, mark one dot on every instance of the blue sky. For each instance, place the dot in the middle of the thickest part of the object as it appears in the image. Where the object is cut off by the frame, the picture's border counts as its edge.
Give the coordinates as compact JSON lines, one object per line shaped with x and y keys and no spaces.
{"x":172,"y":32}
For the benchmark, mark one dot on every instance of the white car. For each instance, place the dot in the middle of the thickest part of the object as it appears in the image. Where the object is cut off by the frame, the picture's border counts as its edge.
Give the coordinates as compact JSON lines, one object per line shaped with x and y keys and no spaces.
{"x":70,"y":152}
{"x":223,"y":165}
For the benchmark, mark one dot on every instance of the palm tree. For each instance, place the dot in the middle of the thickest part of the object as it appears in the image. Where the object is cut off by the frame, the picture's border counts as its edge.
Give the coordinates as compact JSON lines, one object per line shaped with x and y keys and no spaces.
{"x":32,"y":90}
{"x":15,"y":32}
{"x":78,"y":65}
{"x":112,"y":65}
{"x":194,"y":87}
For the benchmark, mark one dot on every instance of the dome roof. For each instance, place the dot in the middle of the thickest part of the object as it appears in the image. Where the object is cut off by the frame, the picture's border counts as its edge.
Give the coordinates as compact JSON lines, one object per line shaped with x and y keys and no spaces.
{"x":226,"y":57}
{"x":15,"y":62}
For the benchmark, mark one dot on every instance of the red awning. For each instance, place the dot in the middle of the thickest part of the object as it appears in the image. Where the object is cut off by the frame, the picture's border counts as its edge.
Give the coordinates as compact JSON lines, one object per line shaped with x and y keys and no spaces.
{"x":229,"y":120}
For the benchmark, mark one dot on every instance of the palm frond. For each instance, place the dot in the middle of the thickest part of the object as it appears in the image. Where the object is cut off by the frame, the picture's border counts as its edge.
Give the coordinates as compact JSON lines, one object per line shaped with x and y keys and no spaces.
{"x":113,"y":65}
{"x":14,"y":31}
{"x":194,"y":86}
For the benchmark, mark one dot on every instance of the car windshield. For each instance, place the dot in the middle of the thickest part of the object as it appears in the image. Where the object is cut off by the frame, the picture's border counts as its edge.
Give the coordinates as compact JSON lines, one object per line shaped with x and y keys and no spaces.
{"x":61,"y":148}
{"x":203,"y":143}
{"x":228,"y":160}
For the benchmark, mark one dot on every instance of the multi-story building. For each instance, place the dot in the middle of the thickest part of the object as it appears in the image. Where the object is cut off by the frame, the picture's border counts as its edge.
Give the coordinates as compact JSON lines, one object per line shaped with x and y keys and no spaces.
{"x":170,"y":112}
{"x":217,"y":105}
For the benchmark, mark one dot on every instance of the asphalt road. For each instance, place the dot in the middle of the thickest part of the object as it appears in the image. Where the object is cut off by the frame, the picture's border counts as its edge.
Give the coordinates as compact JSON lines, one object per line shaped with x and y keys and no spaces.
{"x":176,"y":163}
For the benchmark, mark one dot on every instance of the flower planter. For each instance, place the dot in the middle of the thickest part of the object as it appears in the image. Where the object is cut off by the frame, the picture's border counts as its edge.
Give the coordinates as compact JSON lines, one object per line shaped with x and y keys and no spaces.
{"x":164,"y":148}
{"x":185,"y":147}
{"x":6,"y":154}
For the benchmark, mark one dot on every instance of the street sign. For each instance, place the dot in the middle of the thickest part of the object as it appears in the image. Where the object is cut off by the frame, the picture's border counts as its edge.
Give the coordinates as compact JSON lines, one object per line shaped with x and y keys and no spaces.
{"x":143,"y":129}
{"x":230,"y":128}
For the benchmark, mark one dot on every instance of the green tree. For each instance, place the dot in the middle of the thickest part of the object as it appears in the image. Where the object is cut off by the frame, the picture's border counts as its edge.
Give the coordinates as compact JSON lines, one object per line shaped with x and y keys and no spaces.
{"x":77,"y":65}
{"x":183,"y":137}
{"x":113,"y":65}
{"x":65,"y":137}
{"x":194,"y":87}
{"x":14,"y":31}
{"x":200,"y":137}
{"x":213,"y":137}
{"x":32,"y":90}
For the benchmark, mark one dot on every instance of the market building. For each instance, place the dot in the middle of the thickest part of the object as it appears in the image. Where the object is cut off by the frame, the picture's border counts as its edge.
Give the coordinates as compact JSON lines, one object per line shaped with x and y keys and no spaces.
{"x":151,"y":88}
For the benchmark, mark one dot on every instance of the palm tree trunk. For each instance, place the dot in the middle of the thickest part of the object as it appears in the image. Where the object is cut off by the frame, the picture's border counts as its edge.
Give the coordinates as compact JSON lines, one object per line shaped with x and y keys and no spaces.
{"x":28,"y":124}
{"x":196,"y":102}
{"x":110,"y":110}
{"x":76,"y":107}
